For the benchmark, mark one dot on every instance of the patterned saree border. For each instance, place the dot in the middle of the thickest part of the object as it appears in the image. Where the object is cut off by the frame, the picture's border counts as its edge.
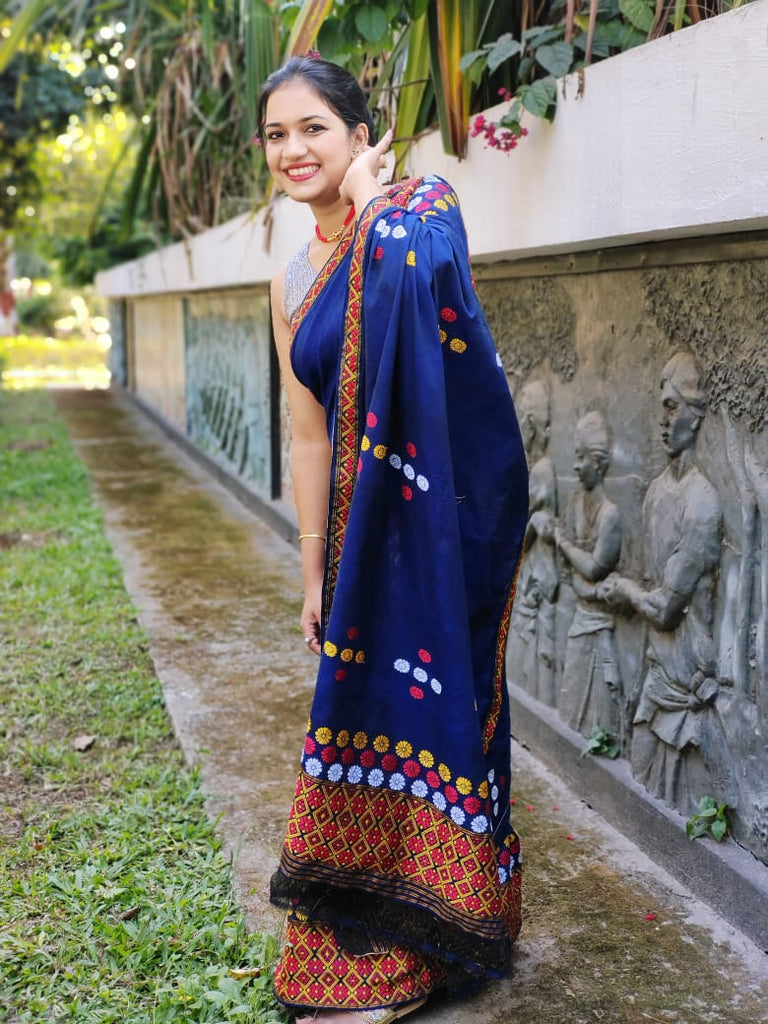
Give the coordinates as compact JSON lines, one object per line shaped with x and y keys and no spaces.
{"x":492,"y":718}
{"x":399,"y":848}
{"x":346,"y":435}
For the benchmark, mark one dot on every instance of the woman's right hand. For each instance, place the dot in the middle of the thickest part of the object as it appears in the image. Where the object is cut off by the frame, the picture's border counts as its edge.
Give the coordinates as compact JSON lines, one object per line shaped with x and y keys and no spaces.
{"x":310,"y":618}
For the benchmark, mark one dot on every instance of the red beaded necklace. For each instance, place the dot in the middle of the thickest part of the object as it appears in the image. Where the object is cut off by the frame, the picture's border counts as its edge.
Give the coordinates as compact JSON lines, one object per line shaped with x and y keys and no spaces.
{"x":336,"y":234}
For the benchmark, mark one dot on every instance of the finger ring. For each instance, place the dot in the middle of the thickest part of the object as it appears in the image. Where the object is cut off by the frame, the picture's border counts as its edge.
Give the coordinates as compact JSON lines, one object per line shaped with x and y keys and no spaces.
{"x":308,"y":639}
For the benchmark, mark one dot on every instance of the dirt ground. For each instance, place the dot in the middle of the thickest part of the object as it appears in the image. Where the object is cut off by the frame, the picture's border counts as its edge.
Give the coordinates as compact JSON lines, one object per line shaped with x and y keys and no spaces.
{"x":607,"y":936}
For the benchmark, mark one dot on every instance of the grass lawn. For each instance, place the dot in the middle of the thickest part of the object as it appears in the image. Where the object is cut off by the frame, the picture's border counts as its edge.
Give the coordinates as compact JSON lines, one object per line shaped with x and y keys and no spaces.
{"x":116,"y":902}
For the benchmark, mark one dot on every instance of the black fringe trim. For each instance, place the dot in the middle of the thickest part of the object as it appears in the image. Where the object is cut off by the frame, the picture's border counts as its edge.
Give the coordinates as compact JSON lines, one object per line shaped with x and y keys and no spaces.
{"x":368,"y":922}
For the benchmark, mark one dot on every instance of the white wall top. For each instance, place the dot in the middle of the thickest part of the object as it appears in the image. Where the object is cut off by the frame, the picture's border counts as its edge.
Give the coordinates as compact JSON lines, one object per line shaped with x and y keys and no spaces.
{"x":668,"y":140}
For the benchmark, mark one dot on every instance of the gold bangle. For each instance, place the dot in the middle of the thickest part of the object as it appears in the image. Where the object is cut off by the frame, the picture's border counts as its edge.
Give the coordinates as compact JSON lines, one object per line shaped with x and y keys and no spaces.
{"x":314,"y":536}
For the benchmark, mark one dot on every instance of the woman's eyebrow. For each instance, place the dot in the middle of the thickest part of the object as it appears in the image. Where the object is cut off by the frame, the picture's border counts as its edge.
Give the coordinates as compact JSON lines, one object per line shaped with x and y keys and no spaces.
{"x":310,"y":117}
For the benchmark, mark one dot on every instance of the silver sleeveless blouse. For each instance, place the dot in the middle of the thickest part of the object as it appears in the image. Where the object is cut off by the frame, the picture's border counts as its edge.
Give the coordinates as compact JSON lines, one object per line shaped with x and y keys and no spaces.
{"x":300,"y":275}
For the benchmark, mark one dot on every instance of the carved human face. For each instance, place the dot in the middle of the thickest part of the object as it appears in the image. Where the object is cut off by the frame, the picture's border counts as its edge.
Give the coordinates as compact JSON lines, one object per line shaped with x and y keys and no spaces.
{"x":586,"y":467}
{"x":307,"y":145}
{"x":679,"y":423}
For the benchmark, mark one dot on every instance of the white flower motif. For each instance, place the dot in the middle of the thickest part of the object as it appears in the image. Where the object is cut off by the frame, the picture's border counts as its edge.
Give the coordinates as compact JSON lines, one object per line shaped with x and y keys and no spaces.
{"x":503,"y":876}
{"x":491,"y":774}
{"x":355,"y":773}
{"x":395,"y":461}
{"x":335,"y":772}
{"x":495,"y":793}
{"x":422,"y":483}
{"x":438,"y":800}
{"x":436,"y":685}
{"x":409,"y":471}
{"x":375,"y":777}
{"x":313,"y":767}
{"x":498,"y":361}
{"x":419,"y":788}
{"x":420,"y":675}
{"x":402,"y":665}
{"x":399,"y":232}
{"x":458,"y":815}
{"x":397,"y":781}
{"x":381,"y":226}
{"x":495,"y":810}
{"x":479,"y":823}
{"x":385,"y":230}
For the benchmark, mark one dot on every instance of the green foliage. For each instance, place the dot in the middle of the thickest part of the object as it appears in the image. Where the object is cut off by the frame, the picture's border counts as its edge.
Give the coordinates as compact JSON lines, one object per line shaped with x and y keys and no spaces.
{"x":601,"y":744}
{"x":116,"y":901}
{"x":710,"y":818}
{"x":37,"y":313}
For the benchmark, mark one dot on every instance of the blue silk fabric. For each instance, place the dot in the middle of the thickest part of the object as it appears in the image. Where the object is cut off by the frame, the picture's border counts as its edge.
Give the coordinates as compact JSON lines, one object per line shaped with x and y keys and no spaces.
{"x":400,"y":829}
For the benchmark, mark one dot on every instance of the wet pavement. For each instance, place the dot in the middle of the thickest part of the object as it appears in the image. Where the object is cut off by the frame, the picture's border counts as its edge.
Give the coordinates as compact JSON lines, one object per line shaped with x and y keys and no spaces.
{"x":607,"y":936}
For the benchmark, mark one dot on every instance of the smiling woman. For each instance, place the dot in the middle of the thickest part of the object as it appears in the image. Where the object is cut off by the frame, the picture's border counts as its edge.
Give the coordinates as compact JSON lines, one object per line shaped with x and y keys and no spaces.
{"x":400,"y":869}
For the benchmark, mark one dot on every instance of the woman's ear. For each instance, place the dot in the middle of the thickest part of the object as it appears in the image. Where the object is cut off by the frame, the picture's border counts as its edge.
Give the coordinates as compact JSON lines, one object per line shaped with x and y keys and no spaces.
{"x":360,"y":137}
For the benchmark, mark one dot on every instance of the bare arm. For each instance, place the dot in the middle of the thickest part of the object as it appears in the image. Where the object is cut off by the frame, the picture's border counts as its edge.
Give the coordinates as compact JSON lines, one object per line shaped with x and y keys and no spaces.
{"x":310,"y":470}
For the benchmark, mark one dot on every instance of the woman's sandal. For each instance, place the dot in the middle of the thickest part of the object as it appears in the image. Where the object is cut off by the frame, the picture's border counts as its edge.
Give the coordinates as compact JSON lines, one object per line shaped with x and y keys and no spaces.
{"x":385,"y":1015}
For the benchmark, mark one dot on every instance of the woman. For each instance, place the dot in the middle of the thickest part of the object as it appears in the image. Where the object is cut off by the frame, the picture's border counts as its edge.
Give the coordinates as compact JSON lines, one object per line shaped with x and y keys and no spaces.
{"x":400,"y":870}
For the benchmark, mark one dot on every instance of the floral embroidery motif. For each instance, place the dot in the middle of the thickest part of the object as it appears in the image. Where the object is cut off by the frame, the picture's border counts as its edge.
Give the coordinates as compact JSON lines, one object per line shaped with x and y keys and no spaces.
{"x":419,"y":674}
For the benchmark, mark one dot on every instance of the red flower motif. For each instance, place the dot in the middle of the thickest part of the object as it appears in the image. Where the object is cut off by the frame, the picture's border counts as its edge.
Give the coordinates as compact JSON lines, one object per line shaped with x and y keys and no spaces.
{"x":309,"y":745}
{"x":412,"y":768}
{"x":367,"y":759}
{"x":448,"y":314}
{"x":378,"y":252}
{"x":416,"y":692}
{"x":340,"y":675}
{"x":433,"y":779}
{"x":329,"y":754}
{"x":371,"y":419}
{"x":407,"y":492}
{"x":353,"y":632}
{"x":411,"y":449}
{"x":348,"y":755}
{"x":425,"y":656}
{"x":389,"y":762}
{"x":451,"y":795}
{"x":472,"y":805}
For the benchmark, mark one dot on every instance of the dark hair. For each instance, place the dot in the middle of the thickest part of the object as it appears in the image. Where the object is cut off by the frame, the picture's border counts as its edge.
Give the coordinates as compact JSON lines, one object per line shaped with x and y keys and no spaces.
{"x":335,"y":86}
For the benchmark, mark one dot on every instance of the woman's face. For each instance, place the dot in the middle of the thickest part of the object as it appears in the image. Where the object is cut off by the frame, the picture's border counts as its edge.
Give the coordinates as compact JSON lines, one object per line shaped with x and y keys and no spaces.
{"x":307,"y":145}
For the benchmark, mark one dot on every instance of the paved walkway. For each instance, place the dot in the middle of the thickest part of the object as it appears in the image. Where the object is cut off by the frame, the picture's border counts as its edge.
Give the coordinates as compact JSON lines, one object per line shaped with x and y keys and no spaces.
{"x":607,"y":936}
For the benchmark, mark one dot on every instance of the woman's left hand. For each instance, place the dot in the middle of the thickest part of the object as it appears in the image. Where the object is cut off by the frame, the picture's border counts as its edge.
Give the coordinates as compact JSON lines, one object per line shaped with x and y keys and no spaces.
{"x":360,"y":184}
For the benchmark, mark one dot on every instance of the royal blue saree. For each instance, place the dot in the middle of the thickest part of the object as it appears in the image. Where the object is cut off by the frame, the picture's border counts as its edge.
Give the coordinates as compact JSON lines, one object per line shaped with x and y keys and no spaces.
{"x":400,"y":868}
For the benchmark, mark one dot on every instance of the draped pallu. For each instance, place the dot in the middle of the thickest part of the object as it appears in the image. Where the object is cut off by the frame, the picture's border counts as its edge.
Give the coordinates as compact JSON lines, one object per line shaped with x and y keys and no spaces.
{"x":400,"y":868}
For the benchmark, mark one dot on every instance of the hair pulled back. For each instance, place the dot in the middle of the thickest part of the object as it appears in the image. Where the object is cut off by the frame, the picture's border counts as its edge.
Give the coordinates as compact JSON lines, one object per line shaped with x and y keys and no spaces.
{"x":333,"y":84}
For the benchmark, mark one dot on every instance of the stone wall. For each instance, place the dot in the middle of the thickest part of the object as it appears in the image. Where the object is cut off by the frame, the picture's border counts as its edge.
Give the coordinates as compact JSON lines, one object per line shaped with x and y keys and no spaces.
{"x":642,"y":606}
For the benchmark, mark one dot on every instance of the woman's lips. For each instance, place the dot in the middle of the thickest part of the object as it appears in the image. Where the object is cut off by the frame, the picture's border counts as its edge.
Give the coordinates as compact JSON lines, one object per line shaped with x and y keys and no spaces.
{"x":301,"y":173}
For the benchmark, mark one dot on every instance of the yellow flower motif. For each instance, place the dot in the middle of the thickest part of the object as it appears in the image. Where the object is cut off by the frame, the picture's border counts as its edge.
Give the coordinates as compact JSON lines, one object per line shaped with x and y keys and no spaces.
{"x":410,"y":259}
{"x":360,"y":657}
{"x":403,"y":749}
{"x":443,"y":336}
{"x":330,"y":649}
{"x":441,"y":205}
{"x":463,"y":785}
{"x":430,"y":213}
{"x":343,"y":738}
{"x":482,"y":789}
{"x":347,"y":654}
{"x":450,"y":198}
{"x":426,"y":758}
{"x":365,"y":444}
{"x":444,"y":772}
{"x":381,"y":744}
{"x":380,"y":451}
{"x":360,"y":740}
{"x":323,"y":735}
{"x":458,"y":345}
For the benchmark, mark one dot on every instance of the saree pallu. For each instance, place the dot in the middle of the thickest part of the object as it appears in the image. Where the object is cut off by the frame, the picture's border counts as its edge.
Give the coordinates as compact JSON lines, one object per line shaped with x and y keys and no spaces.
{"x":400,"y":868}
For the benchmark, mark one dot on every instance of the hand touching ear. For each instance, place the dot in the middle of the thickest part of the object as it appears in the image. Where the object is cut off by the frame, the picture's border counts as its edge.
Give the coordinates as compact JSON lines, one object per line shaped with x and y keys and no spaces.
{"x":360,"y":184}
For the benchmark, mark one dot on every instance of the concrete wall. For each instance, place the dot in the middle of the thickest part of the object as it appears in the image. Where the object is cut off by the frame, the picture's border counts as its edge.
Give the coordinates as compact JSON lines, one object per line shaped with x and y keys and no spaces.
{"x":158,"y":356}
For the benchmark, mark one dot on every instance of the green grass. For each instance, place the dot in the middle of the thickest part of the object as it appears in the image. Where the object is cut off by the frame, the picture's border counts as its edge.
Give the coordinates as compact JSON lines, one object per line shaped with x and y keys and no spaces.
{"x":116,"y":902}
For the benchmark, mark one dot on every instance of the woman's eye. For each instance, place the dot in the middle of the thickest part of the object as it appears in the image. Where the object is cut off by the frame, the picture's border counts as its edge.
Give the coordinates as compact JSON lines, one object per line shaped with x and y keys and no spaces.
{"x":315,"y":128}
{"x":273,"y":136}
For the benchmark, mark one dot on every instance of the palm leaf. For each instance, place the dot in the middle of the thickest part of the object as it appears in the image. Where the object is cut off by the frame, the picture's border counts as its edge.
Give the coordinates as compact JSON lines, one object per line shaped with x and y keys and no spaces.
{"x":453,"y":30}
{"x":304,"y":32}
{"x":413,"y":87}
{"x":22,"y":25}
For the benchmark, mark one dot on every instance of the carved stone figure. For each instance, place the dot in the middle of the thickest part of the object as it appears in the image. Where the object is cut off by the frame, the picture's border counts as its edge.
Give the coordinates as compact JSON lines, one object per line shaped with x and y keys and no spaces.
{"x":590,"y":544}
{"x":531,"y":650}
{"x":678,"y":748}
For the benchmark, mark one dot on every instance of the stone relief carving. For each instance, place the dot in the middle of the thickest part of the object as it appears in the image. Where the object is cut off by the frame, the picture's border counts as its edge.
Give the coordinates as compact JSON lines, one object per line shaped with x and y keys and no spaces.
{"x":589,"y":543}
{"x":656,"y":627}
{"x":678,"y":748}
{"x":531,"y":651}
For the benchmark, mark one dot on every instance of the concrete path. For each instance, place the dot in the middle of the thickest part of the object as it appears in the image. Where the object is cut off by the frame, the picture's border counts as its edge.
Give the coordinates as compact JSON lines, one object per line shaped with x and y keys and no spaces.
{"x":607,"y":936}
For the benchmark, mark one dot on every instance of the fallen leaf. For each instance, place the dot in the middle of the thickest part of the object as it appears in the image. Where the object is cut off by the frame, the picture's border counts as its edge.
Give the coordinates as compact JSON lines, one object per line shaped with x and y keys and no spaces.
{"x":570,"y":837}
{"x":650,"y":917}
{"x":128,"y":915}
{"x":239,"y":973}
{"x":83,"y":742}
